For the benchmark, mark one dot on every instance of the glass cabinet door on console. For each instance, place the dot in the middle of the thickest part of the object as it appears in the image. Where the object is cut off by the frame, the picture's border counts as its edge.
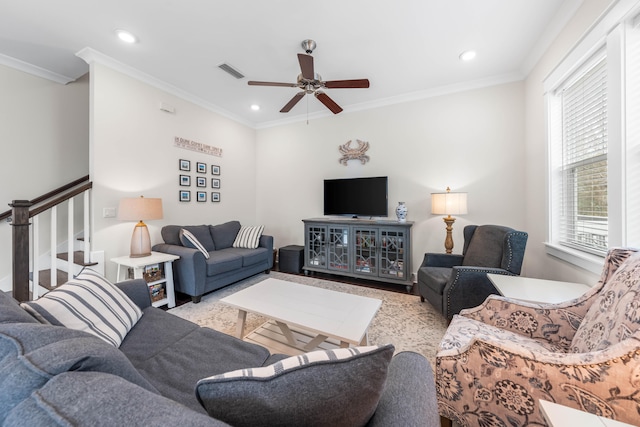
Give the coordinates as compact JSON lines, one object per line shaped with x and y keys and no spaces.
{"x":392,"y":254}
{"x":315,"y":249}
{"x":338,"y":248}
{"x":365,"y":248}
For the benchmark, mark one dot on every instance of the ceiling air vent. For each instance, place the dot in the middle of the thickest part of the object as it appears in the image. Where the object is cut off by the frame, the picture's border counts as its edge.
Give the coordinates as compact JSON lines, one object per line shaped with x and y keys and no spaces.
{"x":229,"y":69}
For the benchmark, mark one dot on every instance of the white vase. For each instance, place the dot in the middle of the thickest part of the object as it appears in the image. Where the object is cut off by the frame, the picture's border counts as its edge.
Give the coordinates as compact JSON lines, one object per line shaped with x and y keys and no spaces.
{"x":401,"y":212}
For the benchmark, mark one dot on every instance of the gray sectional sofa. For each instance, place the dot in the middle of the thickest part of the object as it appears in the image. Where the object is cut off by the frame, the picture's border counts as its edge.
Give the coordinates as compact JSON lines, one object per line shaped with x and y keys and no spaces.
{"x":51,"y":375}
{"x":195,"y":275}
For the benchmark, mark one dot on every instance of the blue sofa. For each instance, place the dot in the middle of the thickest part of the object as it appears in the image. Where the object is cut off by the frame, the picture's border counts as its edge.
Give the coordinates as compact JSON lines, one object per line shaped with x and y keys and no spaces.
{"x":53,"y":376}
{"x":195,"y":275}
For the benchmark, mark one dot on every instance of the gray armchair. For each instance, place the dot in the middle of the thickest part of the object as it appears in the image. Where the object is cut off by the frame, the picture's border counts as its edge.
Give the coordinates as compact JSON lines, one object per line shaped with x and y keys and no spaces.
{"x":453,"y":282}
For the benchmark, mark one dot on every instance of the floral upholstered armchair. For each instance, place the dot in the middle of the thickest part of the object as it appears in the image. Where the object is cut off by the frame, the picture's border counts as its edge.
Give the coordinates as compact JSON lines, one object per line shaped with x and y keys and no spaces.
{"x":498,"y":359}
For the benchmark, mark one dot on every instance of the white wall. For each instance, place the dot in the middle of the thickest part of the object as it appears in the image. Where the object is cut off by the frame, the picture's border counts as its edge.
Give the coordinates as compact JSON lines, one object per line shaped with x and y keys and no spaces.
{"x":540,"y":264}
{"x":44,"y":134}
{"x":471,"y":141}
{"x":133,"y":154}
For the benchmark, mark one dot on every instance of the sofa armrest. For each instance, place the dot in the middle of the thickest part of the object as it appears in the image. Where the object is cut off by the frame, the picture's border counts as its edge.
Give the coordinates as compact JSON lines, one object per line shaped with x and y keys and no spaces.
{"x":267,"y":242}
{"x":409,"y":395}
{"x":468,"y":287}
{"x":138,"y":291}
{"x":190,"y":271}
{"x":441,"y":260}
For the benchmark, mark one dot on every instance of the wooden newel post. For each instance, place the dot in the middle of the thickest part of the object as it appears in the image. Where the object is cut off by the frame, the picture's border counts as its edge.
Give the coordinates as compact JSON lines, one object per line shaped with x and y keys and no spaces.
{"x":20,"y":235}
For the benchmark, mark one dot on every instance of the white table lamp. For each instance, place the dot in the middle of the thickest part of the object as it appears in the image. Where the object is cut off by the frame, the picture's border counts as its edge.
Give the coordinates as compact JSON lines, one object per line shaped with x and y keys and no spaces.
{"x":140,"y":209}
{"x":447,"y":204}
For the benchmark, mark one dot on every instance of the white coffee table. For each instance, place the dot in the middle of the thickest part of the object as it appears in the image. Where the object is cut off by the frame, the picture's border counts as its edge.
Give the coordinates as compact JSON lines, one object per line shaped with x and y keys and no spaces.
{"x":537,"y":290}
{"x":327,"y":314}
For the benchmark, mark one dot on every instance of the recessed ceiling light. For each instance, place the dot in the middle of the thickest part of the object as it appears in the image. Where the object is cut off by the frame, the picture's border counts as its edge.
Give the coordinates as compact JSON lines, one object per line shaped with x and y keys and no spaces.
{"x":126,"y":36}
{"x":468,"y":55}
{"x":255,"y":107}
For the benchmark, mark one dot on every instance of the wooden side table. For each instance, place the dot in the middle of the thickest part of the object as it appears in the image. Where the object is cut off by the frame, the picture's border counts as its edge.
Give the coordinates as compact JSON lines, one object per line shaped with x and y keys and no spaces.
{"x":138,"y":265}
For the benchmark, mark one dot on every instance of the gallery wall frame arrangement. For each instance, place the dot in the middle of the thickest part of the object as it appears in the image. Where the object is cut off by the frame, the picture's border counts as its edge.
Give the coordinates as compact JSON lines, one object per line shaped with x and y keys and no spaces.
{"x":184,"y":180}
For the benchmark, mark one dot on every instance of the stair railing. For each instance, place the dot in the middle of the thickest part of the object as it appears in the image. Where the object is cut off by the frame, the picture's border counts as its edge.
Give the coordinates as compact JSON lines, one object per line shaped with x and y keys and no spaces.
{"x":20,"y":214}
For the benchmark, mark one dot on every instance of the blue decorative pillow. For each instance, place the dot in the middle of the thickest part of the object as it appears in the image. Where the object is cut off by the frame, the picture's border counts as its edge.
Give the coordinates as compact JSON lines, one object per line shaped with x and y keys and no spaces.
{"x":32,"y":354}
{"x":335,"y":388}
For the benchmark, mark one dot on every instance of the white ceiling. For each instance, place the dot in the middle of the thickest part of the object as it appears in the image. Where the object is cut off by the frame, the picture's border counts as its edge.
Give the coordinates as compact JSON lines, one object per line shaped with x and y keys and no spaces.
{"x":408,"y":49}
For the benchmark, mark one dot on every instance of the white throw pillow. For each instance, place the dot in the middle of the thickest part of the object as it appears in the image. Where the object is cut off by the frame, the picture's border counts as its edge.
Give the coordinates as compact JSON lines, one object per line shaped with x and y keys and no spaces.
{"x":190,"y":241}
{"x":89,"y":303}
{"x":248,"y":237}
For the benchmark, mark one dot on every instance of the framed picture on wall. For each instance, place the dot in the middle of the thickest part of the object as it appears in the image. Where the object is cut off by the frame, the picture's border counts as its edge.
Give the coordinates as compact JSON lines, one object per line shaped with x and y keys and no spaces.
{"x":201,"y":167}
{"x":215,"y":182}
{"x":185,"y":196}
{"x":185,"y":165}
{"x":215,"y":170}
{"x":201,"y":181}
{"x":202,"y":196}
{"x":215,"y":196}
{"x":185,"y":181}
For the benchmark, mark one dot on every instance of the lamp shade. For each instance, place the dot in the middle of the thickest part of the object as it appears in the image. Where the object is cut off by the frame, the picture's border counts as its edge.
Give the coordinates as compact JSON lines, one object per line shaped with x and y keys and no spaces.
{"x":140,"y":209}
{"x":448,"y":203}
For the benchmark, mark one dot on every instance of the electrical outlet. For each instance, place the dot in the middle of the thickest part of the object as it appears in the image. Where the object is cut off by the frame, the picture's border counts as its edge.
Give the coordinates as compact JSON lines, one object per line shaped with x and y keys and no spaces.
{"x":109,"y":212}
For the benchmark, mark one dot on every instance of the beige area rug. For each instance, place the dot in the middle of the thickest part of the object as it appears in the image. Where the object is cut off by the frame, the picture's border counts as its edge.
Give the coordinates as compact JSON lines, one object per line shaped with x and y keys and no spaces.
{"x":402,"y":319}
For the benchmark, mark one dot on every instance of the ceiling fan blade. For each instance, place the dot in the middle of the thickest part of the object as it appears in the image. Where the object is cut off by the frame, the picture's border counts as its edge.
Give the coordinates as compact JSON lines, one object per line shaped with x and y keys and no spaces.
{"x":253,"y":83}
{"x":298,"y":96}
{"x":346,"y":84}
{"x":328,"y":102}
{"x":306,"y":66}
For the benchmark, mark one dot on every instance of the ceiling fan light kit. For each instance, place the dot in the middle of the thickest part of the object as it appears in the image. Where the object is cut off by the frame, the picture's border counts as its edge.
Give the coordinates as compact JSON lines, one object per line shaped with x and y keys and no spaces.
{"x":309,"y":82}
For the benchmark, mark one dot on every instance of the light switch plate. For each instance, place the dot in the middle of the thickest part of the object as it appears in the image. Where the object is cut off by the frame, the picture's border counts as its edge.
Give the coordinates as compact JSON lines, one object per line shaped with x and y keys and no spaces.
{"x":109,"y":212}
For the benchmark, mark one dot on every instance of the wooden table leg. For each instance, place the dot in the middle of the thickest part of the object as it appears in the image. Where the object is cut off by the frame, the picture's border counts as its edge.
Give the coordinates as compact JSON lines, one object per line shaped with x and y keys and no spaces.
{"x":242,"y":318}
{"x":287,"y":333}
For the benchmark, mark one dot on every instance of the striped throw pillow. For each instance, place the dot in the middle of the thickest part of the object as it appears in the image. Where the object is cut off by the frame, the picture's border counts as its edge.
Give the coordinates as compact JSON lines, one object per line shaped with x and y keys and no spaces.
{"x":299,"y":390}
{"x":248,"y":237}
{"x":190,"y":241}
{"x":89,"y":303}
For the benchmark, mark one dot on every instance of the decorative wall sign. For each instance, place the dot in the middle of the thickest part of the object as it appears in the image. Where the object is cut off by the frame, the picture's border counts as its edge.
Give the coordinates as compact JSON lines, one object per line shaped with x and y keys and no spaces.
{"x":358,"y":153}
{"x":197,"y":146}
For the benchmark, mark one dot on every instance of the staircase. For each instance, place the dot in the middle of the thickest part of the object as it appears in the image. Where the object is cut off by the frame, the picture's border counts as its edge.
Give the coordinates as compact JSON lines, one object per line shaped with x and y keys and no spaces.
{"x":63,"y":261}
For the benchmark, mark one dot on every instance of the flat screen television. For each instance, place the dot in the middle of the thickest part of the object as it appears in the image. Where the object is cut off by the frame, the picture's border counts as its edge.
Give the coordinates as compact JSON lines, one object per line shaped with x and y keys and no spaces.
{"x":356,"y":196}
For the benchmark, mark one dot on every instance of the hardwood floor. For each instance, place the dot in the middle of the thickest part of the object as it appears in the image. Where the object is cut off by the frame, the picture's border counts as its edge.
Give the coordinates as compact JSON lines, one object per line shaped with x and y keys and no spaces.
{"x":183,"y":299}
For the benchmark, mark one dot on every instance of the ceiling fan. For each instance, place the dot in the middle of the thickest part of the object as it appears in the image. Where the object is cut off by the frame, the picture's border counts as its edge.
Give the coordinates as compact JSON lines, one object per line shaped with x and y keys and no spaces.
{"x":311,"y":83}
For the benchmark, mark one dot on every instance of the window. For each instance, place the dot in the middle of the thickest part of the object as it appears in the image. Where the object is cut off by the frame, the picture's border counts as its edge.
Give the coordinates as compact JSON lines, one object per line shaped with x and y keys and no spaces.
{"x":594,"y":141}
{"x":582,"y":195}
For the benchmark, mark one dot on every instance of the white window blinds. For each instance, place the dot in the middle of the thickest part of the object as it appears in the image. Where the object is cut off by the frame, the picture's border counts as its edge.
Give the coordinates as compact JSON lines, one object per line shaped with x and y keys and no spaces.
{"x":583,"y":196}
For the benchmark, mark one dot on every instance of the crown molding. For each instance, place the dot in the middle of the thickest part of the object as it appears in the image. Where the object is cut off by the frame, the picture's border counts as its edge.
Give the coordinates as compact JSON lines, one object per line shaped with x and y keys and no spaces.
{"x":401,"y":99}
{"x":34,"y":70}
{"x":91,"y":56}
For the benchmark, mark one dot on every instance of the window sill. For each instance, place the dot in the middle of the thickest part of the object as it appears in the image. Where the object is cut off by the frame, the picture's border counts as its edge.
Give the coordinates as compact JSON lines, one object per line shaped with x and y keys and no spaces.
{"x":589,"y":262}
